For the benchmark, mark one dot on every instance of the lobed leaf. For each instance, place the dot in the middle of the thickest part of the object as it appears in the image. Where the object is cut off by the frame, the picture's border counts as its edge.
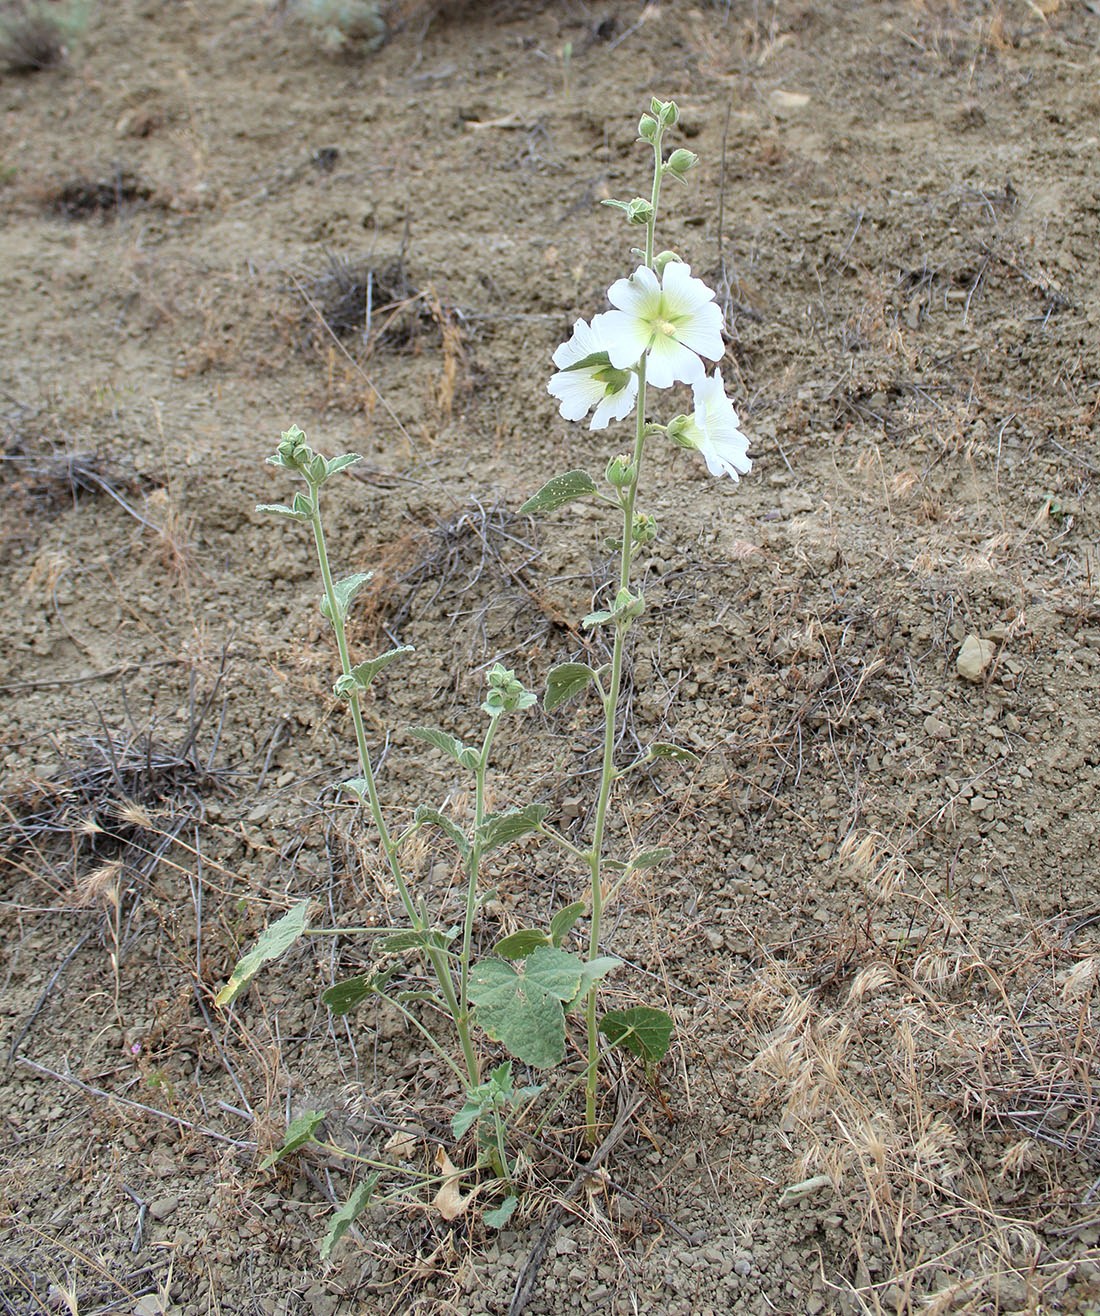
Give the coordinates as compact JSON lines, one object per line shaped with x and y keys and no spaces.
{"x":520,"y":944}
{"x":519,"y":1014}
{"x":642,"y":1030}
{"x":499,"y":1216}
{"x":562,"y":922}
{"x":426,"y":814}
{"x":364,"y":673}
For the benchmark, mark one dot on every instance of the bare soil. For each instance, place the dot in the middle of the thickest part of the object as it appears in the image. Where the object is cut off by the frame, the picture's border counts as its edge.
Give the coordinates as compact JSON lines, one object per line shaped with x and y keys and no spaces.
{"x":880,"y":936}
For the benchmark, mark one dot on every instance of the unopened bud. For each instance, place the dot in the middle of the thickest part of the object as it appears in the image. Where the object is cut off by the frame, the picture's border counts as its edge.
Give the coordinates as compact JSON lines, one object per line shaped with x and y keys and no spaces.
{"x":621,"y":472}
{"x":679,"y":430}
{"x":645,"y":528}
{"x":639,"y":211}
{"x":680,"y":161}
{"x":662,"y":259}
{"x":648,"y":128}
{"x":665,"y":112}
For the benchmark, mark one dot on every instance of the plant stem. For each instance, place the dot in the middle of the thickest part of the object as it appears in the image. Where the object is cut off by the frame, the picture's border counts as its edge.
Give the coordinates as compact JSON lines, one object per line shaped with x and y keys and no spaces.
{"x":473,"y":866}
{"x":437,"y":957}
{"x":611,"y":699}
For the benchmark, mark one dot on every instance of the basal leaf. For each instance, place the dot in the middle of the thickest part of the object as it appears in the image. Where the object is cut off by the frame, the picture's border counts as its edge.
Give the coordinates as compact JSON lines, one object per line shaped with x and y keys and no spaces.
{"x":642,"y":1030}
{"x":565,"y":681}
{"x":520,"y":944}
{"x":499,"y":829}
{"x":554,"y":971}
{"x":274,"y":941}
{"x":528,"y":1021}
{"x":499,"y":1216}
{"x":343,"y":1219}
{"x":562,"y":922}
{"x":298,"y":1133}
{"x":560,"y":490}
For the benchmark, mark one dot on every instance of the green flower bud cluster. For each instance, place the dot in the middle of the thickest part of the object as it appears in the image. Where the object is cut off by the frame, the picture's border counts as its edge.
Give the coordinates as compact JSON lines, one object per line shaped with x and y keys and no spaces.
{"x":621,"y":472}
{"x":506,"y":693}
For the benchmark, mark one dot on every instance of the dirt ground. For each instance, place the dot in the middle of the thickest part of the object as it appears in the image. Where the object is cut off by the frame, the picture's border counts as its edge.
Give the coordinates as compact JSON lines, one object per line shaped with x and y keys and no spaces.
{"x":880,"y":935}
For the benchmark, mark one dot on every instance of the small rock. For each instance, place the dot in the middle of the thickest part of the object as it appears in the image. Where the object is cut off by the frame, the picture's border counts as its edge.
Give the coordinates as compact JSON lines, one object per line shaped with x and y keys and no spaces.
{"x":163,"y":1207}
{"x":974,"y":657}
{"x":936,"y":728}
{"x":787,"y":104}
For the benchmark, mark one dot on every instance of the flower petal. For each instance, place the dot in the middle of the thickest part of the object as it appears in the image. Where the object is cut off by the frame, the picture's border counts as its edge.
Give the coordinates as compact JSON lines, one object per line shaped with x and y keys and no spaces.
{"x":638,"y":295}
{"x":703,"y":332}
{"x":583,"y":343}
{"x":616,"y":406}
{"x":577,"y":392}
{"x":625,"y":337}
{"x":669,"y":361}
{"x":682,"y":293}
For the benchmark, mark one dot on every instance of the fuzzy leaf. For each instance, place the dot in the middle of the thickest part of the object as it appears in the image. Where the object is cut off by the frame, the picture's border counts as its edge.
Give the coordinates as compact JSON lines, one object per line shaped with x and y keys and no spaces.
{"x":499,"y":829}
{"x":429,"y":939}
{"x":649,"y":859}
{"x":554,"y":971}
{"x":519,"y":1014}
{"x":661,"y":749}
{"x":274,"y":941}
{"x":364,"y":673}
{"x":298,"y":1133}
{"x":565,"y":681}
{"x":280,"y":509}
{"x":426,"y":814}
{"x":448,"y":744}
{"x":499,"y":1216}
{"x":642,"y":1030}
{"x":345,"y":590}
{"x":342,"y":463}
{"x":562,"y":922}
{"x":520,"y":944}
{"x":343,"y":1219}
{"x":343,"y":997}
{"x":594,"y":970}
{"x":560,"y":490}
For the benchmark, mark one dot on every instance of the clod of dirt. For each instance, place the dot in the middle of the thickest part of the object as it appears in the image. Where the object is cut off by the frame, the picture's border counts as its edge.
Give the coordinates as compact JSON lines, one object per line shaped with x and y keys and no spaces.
{"x":85,"y":198}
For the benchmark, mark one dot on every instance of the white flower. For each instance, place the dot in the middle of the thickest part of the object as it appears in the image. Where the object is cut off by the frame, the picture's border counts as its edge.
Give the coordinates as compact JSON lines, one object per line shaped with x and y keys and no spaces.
{"x":676,"y":322}
{"x":714,"y":429}
{"x":587,"y":378}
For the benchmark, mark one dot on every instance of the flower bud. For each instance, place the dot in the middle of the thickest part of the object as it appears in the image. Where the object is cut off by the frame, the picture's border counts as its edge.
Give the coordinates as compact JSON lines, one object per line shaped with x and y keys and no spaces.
{"x":645,"y":528}
{"x":648,"y":128}
{"x":506,"y":694}
{"x":679,"y":430}
{"x":666,"y":112}
{"x":662,"y":259}
{"x":639,"y":211}
{"x":680,"y":161}
{"x":621,"y":472}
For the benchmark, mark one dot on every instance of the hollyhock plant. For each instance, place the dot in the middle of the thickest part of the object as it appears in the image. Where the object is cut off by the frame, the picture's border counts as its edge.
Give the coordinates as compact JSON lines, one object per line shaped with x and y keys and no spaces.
{"x":586,"y":378}
{"x":671,"y":320}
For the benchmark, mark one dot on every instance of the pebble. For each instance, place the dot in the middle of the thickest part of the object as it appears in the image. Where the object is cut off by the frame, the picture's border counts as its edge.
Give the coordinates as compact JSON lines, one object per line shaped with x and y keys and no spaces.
{"x":936,"y":728}
{"x":974,"y":657}
{"x":163,"y":1207}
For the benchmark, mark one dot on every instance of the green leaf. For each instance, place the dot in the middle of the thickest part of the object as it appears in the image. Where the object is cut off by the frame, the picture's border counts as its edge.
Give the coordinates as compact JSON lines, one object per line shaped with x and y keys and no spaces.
{"x":280,"y":509}
{"x":345,"y":590}
{"x":519,"y":1014}
{"x":298,"y":1133}
{"x":343,"y":997}
{"x":501,"y":828}
{"x":661,"y":749}
{"x":342,"y":463}
{"x":343,"y":1219}
{"x":430,"y":939}
{"x":594,"y":970}
{"x":520,"y":944}
{"x":274,"y":941}
{"x":642,"y":1030}
{"x":562,"y":922}
{"x":448,"y":744}
{"x":425,"y":814}
{"x":560,"y":490}
{"x":462,"y":1120}
{"x":565,"y":681}
{"x":364,"y":673}
{"x":499,"y":1216}
{"x":649,"y":859}
{"x":554,"y":971}
{"x":596,"y":618}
